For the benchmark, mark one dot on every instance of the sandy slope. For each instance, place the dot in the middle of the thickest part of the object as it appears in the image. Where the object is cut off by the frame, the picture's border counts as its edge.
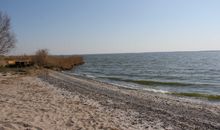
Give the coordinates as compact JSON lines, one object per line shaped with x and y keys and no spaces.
{"x":29,"y":103}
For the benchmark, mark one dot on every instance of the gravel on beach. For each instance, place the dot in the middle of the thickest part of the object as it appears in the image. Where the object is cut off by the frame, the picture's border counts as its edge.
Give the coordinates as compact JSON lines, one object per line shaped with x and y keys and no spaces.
{"x":168,"y":112}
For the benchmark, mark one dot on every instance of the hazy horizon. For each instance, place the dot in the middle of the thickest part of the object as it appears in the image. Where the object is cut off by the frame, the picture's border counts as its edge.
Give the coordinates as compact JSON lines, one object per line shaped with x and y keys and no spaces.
{"x":143,"y":52}
{"x":63,"y":54}
{"x":124,"y":26}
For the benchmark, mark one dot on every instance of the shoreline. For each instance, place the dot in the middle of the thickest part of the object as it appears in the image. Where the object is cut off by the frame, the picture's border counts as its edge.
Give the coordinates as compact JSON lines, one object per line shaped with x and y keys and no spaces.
{"x":204,"y":97}
{"x":194,"y":97}
{"x":55,"y":100}
{"x":177,"y":112}
{"x":27,"y":102}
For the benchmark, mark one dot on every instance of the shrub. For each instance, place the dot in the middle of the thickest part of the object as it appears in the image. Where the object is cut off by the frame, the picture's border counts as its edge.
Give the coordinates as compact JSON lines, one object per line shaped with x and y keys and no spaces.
{"x":40,"y":57}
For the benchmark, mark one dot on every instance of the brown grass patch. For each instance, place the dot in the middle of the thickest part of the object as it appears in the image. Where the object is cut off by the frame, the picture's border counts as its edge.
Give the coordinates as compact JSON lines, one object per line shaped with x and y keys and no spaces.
{"x":63,"y":62}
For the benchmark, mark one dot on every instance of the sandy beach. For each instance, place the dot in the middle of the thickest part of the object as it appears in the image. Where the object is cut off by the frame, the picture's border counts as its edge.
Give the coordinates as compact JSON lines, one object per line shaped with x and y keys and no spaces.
{"x":109,"y":65}
{"x":56,"y":101}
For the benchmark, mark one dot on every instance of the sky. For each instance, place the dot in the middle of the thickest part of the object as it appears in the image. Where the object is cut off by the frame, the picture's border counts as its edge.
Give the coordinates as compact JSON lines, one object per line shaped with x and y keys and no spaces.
{"x":114,"y":26}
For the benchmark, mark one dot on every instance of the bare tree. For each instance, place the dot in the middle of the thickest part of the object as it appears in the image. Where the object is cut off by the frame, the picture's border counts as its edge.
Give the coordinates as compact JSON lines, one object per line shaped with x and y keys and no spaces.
{"x":41,"y":57}
{"x":7,"y":38}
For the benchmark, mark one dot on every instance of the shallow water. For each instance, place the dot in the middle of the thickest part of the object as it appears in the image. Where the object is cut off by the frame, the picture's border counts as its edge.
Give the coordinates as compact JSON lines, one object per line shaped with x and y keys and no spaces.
{"x":181,"y":72}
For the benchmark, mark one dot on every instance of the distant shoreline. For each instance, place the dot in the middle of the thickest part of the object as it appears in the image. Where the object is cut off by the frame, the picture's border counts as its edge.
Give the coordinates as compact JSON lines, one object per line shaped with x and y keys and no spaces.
{"x":146,"y":52}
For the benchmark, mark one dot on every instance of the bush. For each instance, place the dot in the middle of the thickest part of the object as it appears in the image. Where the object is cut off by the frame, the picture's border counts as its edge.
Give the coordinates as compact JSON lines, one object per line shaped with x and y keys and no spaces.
{"x":42,"y":59}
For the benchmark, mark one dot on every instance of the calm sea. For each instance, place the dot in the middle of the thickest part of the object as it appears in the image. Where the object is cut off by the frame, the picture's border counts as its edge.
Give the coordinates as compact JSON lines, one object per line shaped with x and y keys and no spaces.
{"x":180,"y":72}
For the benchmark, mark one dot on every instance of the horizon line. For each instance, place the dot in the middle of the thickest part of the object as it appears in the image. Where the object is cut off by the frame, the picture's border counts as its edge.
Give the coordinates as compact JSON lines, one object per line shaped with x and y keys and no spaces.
{"x":144,"y":52}
{"x":122,"y":52}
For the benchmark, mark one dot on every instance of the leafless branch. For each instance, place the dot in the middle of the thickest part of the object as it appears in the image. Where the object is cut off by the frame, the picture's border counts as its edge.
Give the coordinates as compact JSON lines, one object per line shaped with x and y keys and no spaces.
{"x":7,"y":38}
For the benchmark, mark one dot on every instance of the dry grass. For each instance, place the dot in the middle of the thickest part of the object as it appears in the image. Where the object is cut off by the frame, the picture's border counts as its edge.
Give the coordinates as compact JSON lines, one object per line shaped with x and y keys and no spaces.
{"x":50,"y":62}
{"x":43,"y":59}
{"x":62,"y":62}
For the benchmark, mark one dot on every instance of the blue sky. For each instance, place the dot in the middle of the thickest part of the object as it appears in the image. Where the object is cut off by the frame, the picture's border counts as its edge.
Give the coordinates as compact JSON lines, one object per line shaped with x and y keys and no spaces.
{"x":114,"y":26}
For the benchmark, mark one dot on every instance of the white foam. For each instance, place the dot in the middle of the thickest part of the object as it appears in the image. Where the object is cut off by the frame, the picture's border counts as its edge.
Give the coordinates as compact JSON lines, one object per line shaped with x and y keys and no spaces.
{"x":89,"y":76}
{"x":155,"y":90}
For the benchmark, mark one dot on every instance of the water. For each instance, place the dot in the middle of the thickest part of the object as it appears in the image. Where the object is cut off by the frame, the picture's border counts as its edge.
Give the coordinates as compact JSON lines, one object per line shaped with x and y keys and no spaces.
{"x":180,"y":72}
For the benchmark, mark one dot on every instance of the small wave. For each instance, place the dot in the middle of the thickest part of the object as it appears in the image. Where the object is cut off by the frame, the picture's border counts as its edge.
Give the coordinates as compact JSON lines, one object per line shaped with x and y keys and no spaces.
{"x":134,"y":87}
{"x":155,"y":90}
{"x":198,"y":95}
{"x":150,"y":82}
{"x":158,"y":83}
{"x":81,"y":74}
{"x":88,"y":76}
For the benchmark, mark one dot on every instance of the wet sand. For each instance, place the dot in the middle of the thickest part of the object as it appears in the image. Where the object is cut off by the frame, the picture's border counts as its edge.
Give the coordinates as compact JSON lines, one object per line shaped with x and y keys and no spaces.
{"x":57,"y":101}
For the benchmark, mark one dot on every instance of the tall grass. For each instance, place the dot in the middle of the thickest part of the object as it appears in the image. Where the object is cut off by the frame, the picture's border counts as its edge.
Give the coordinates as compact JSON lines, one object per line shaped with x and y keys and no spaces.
{"x":42,"y":59}
{"x":63,"y":62}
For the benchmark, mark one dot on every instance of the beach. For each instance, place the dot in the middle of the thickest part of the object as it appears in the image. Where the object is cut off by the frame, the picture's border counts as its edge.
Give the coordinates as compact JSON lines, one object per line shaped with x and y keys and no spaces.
{"x":57,"y":101}
{"x":109,"y":65}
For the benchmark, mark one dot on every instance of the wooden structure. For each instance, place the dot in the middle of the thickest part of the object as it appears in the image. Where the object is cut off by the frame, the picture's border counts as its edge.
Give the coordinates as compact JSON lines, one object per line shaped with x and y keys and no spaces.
{"x":19,"y":61}
{"x":11,"y":62}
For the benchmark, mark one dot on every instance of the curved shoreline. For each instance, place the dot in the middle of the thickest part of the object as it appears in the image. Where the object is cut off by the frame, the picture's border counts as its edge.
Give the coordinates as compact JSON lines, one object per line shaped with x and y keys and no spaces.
{"x":206,"y":97}
{"x":194,"y":97}
{"x":53,"y":100}
{"x":28,"y":102}
{"x":175,"y":112}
